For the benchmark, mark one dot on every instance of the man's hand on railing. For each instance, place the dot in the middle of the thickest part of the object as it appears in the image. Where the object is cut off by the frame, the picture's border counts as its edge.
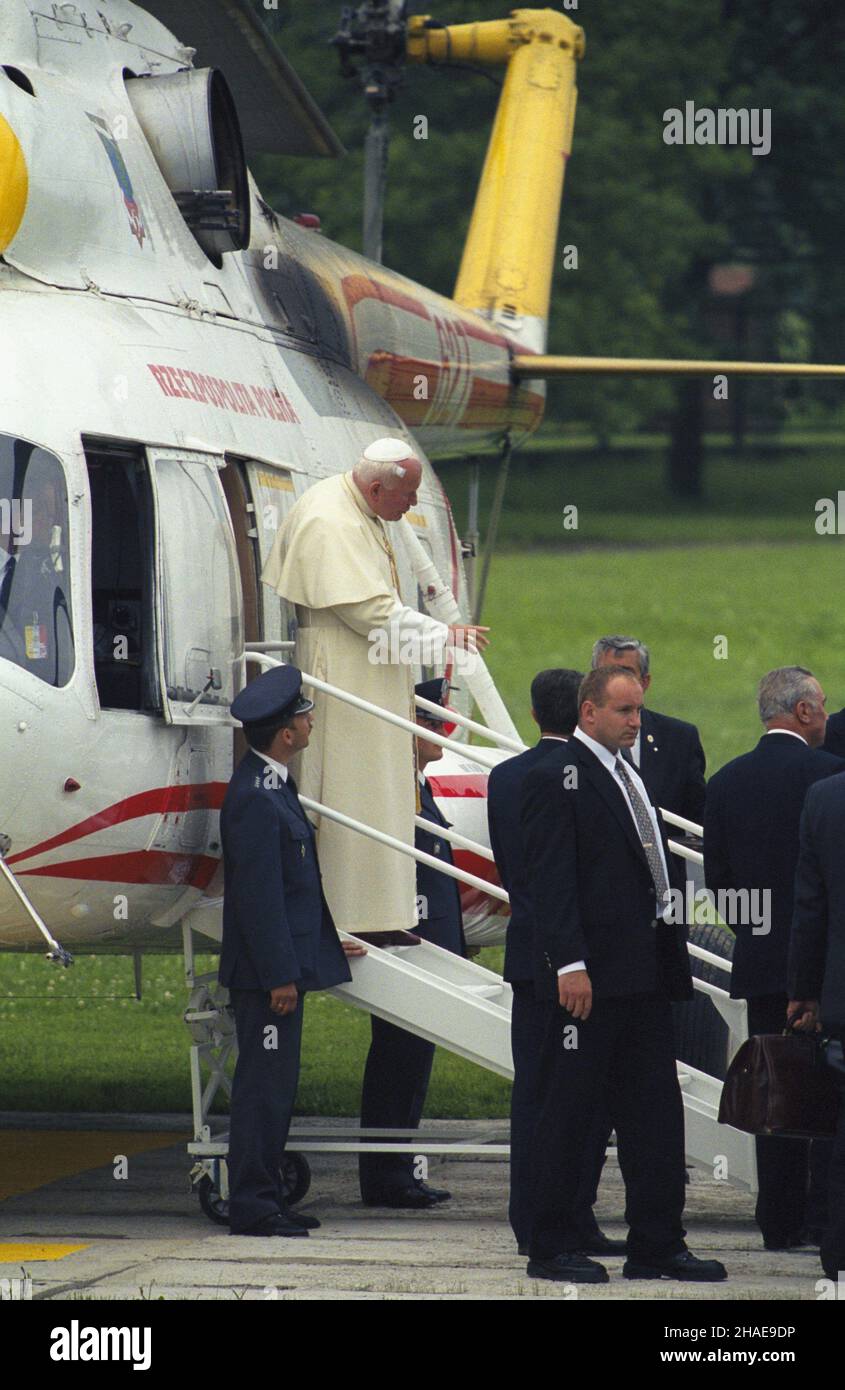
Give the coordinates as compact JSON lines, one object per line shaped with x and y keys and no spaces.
{"x":469,"y":637}
{"x":353,"y":948}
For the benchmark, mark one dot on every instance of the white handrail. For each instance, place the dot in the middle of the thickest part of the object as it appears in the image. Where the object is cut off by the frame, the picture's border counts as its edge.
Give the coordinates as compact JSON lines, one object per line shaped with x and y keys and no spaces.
{"x":452,"y":716}
{"x":410,"y":850}
{"x":684,"y":852}
{"x":441,"y":603}
{"x":269,"y":646}
{"x":681,"y":822}
{"x":482,"y":756}
{"x":701,"y":954}
{"x":447,"y":833}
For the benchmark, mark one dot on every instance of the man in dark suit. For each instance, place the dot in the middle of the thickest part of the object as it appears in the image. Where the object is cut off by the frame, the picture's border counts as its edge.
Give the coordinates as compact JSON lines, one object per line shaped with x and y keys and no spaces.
{"x":817,"y":969}
{"x":834,"y":734}
{"x":554,"y":708}
{"x":399,"y":1063}
{"x":751,"y":826}
{"x":666,"y":752}
{"x":611,"y":957}
{"x":279,"y":941}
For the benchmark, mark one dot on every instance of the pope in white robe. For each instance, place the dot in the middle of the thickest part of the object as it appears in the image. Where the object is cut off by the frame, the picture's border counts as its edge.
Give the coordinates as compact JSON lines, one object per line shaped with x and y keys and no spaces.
{"x":333,"y":558}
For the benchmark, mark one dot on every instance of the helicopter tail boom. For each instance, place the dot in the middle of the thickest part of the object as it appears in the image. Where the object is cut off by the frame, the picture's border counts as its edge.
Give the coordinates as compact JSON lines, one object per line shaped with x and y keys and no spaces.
{"x":508,"y":259}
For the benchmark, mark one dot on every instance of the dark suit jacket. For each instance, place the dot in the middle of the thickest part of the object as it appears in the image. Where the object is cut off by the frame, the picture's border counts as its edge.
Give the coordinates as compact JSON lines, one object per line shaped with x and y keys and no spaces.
{"x":593,"y":896}
{"x":504,"y":795}
{"x":751,"y":842}
{"x":672,"y":764}
{"x":817,"y":949}
{"x":443,"y":924}
{"x":277,"y":929}
{"x":834,"y":734}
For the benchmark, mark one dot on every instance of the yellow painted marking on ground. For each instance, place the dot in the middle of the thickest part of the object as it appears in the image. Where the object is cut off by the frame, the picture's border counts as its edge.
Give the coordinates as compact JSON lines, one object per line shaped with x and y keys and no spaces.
{"x":31,"y":1158}
{"x":25,"y":1253}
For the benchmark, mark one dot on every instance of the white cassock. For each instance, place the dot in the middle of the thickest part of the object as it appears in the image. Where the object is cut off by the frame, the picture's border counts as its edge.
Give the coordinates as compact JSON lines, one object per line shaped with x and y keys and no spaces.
{"x":332,"y":558}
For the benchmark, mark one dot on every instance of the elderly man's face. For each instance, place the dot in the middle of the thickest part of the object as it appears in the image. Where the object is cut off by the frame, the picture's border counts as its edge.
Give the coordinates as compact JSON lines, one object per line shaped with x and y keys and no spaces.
{"x":815,"y":717}
{"x":392,"y":500}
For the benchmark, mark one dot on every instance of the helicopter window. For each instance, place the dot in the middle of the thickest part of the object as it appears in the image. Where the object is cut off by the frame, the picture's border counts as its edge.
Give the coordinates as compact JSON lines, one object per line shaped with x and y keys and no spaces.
{"x":200,"y":590}
{"x":36,"y":630}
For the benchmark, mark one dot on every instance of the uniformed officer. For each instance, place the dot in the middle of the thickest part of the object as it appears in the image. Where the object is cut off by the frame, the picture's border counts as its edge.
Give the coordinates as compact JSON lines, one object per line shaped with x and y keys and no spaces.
{"x":399,"y":1064}
{"x":278,"y":942}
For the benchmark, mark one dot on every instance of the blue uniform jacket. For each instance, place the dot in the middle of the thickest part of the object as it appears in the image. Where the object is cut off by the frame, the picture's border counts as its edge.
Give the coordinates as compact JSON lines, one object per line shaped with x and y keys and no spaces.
{"x":277,"y":928}
{"x":442,"y":923}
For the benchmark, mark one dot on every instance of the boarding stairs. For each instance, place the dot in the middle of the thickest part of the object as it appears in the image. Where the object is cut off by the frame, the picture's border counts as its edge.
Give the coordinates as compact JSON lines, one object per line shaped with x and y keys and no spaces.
{"x":455,"y":1003}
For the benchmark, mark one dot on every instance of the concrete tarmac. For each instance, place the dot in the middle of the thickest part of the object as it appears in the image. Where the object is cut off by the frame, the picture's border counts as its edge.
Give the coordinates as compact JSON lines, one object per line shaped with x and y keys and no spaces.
{"x":83,"y":1224}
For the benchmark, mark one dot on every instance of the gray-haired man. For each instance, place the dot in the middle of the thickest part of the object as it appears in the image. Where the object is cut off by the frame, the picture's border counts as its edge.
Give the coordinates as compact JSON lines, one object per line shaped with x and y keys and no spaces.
{"x":667,"y":752}
{"x":751,"y":842}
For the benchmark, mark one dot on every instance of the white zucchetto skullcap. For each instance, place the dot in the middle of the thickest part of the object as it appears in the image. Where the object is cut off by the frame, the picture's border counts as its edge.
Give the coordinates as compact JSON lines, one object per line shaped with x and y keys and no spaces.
{"x":388,"y":451}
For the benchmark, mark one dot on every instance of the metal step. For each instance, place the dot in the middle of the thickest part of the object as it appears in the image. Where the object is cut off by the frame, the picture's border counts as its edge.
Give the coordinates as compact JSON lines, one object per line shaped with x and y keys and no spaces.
{"x":438,"y":996}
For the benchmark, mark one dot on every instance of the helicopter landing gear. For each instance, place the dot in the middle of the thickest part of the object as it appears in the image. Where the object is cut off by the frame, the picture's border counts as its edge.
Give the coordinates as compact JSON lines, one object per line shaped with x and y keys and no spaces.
{"x":210,"y":1180}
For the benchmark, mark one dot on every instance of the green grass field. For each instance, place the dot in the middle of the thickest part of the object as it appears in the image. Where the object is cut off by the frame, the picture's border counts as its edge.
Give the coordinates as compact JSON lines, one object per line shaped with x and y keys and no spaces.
{"x":776,"y":602}
{"x":66,"y":1045}
{"x":767,"y":493}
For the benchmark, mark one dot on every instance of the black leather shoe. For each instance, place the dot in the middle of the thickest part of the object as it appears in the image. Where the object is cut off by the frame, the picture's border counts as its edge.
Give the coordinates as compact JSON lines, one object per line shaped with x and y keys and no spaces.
{"x":438,"y":1193}
{"x":600,"y":1244}
{"x":569,"y":1268}
{"x":782,"y":1242}
{"x":682,"y":1266}
{"x":300,"y":1218}
{"x":279,"y":1224}
{"x":388,"y":938}
{"x":403,"y":1197}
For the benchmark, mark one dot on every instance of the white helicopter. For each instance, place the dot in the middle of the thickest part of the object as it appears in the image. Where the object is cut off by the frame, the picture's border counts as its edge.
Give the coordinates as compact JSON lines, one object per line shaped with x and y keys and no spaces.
{"x":178,"y":364}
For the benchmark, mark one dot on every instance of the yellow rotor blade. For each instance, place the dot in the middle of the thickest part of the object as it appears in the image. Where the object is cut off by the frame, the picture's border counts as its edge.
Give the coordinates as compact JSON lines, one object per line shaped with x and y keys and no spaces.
{"x":527,"y":366}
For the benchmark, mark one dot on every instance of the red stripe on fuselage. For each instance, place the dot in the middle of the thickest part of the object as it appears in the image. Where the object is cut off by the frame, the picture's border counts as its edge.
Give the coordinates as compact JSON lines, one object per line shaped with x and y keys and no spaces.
{"x":203,"y":796}
{"x":140,"y":866}
{"x":359,"y":287}
{"x":459,"y":783}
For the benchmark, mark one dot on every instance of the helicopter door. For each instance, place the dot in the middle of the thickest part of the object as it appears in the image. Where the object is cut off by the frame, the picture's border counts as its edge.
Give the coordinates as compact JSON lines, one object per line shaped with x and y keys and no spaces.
{"x":274,"y":491}
{"x":198,"y":590}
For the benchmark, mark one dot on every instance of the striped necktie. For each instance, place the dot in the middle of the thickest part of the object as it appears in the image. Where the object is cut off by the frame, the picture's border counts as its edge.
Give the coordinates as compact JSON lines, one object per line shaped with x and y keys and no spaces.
{"x":645,"y":829}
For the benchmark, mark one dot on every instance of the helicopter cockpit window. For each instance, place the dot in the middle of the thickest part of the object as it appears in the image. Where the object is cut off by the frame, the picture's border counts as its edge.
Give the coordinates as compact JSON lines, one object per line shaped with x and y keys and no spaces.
{"x":36,"y":628}
{"x":200,"y":589}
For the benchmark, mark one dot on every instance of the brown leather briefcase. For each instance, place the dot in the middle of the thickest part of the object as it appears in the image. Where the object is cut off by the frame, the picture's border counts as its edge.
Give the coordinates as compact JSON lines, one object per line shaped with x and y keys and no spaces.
{"x":778,"y":1084}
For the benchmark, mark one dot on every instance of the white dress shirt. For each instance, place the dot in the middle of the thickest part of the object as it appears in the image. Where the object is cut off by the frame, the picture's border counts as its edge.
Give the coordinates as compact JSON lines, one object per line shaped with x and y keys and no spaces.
{"x":791,"y":732}
{"x":279,"y":768}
